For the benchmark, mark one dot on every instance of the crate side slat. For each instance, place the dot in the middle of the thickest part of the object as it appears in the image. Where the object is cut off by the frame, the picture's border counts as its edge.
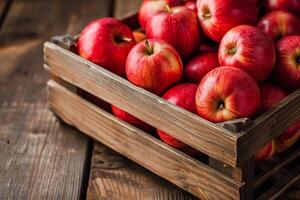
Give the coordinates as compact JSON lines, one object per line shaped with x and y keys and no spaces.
{"x":281,"y":163}
{"x":268,"y":126}
{"x":205,"y":136}
{"x":178,"y":168}
{"x":281,"y":186}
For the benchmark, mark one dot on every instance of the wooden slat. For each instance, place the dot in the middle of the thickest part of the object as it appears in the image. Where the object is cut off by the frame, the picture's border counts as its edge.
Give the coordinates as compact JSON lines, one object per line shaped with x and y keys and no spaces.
{"x":158,"y":157}
{"x":282,"y":185}
{"x":41,"y":158}
{"x":115,"y":177}
{"x":288,"y":158}
{"x":269,"y":126}
{"x":187,"y":127}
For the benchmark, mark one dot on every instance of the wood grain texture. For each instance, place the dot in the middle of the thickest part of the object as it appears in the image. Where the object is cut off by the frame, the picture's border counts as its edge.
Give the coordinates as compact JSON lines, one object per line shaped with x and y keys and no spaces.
{"x":115,"y":177}
{"x":41,"y":158}
{"x":183,"y":125}
{"x":268,"y":126}
{"x":192,"y":175}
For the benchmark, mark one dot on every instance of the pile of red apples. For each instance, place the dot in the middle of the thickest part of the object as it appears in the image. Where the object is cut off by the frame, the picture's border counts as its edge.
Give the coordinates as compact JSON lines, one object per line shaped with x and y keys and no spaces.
{"x":219,"y":59}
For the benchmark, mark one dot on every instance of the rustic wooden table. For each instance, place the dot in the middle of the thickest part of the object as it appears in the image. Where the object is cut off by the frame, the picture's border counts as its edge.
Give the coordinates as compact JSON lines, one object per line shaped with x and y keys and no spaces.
{"x":40,"y":157}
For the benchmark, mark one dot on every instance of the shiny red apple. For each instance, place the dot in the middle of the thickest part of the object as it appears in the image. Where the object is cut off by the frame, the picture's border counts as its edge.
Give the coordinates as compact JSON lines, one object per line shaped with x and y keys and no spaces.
{"x":154,"y":65}
{"x":106,"y":42}
{"x":271,"y":95}
{"x":130,"y":119}
{"x":182,"y":95}
{"x":217,"y":17}
{"x":227,"y":93}
{"x":280,"y":23}
{"x":149,"y":8}
{"x":199,"y":66}
{"x":179,"y":27}
{"x":191,"y":5}
{"x":287,"y":69}
{"x":266,"y":152}
{"x":250,"y":49}
{"x":292,"y":6}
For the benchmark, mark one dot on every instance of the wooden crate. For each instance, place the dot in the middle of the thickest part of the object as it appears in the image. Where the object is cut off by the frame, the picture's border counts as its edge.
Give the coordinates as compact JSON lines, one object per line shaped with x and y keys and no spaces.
{"x":230,"y":172}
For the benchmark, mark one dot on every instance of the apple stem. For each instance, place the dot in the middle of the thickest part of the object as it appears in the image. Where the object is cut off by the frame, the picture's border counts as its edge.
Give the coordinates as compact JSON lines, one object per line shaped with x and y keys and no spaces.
{"x":149,"y":48}
{"x":206,"y":15}
{"x":169,"y":10}
{"x":126,"y":39}
{"x":231,"y":51}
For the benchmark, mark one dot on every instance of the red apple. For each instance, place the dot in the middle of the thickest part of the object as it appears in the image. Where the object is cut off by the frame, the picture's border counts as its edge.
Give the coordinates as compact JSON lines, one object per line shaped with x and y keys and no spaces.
{"x":106,"y":42}
{"x":280,"y":23}
{"x":138,"y":36}
{"x":217,"y":17}
{"x":271,"y":95}
{"x":183,"y":96}
{"x":227,"y":93}
{"x":130,"y":119}
{"x":148,"y":9}
{"x":292,"y":6}
{"x":173,"y":3}
{"x":288,"y":138}
{"x":287,"y":69}
{"x":249,"y":49}
{"x":179,"y":27}
{"x":266,"y":152}
{"x":191,"y":5}
{"x":199,"y":66}
{"x":154,"y":65}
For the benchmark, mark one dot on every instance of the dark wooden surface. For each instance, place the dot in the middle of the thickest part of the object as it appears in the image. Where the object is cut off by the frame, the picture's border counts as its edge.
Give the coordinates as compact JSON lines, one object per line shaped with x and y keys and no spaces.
{"x":42,"y":158}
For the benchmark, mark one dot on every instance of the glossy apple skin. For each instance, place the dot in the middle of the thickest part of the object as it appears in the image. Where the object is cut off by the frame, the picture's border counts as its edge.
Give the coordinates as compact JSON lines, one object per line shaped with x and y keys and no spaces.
{"x":292,"y":6}
{"x":266,"y":152}
{"x":155,"y":72}
{"x":227,"y":93}
{"x":130,"y":119}
{"x":217,"y":17}
{"x":287,"y":69}
{"x":271,"y":95}
{"x":97,"y":43}
{"x":180,"y":28}
{"x":278,"y":24}
{"x":138,"y":36}
{"x":182,"y":95}
{"x":149,"y":8}
{"x":288,"y":138}
{"x":191,"y":5}
{"x":254,"y":51}
{"x":199,"y":66}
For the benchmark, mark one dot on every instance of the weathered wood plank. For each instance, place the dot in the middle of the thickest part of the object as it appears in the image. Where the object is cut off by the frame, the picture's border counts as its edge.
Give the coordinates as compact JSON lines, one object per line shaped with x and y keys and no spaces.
{"x":268,"y":126}
{"x":176,"y":121}
{"x":158,"y":157}
{"x":282,"y":185}
{"x":41,"y":158}
{"x":115,"y":177}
